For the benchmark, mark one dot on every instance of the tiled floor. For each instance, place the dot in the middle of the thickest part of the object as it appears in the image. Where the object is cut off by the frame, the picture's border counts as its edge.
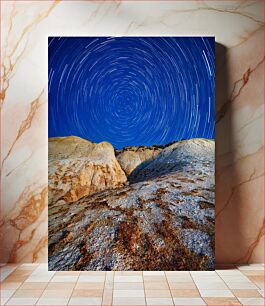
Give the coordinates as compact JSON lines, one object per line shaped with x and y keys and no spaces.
{"x":33,"y":284}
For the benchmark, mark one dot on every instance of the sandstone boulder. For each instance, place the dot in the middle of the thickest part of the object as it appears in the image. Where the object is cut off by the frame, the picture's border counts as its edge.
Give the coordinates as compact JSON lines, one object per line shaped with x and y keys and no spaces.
{"x":131,"y":157}
{"x":78,"y":167}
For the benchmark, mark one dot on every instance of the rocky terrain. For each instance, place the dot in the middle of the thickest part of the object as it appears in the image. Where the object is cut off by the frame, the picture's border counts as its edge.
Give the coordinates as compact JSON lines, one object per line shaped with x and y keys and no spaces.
{"x":131,"y":157}
{"x":162,"y":218}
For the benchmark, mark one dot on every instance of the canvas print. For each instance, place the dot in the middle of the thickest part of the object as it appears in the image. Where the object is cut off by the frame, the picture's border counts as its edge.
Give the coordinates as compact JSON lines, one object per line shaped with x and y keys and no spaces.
{"x":131,"y":153}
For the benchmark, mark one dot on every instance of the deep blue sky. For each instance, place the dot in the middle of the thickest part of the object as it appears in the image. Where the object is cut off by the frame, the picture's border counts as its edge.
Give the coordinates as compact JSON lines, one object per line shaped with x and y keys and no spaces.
{"x":131,"y":90}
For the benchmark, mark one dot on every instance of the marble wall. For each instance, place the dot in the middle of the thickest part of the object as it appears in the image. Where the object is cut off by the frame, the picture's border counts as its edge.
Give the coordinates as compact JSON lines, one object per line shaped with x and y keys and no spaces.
{"x":238,"y":27}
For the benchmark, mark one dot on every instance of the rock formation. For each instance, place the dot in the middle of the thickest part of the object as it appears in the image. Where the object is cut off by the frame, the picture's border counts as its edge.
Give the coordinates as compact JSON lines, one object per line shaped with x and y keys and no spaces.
{"x":131,"y":157}
{"x":162,"y":220}
{"x":78,"y":167}
{"x":179,"y":156}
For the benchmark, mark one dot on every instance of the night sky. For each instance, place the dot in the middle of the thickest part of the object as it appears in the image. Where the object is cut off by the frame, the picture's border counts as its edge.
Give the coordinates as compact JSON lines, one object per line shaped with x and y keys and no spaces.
{"x":131,"y":90}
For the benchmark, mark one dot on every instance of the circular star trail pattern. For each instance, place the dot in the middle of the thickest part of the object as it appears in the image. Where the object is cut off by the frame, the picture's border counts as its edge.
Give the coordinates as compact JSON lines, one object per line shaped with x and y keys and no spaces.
{"x":131,"y":90}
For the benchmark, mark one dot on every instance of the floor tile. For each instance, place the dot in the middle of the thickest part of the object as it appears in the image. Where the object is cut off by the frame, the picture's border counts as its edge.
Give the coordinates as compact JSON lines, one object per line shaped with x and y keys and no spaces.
{"x":188,"y":301}
{"x":206,"y":277}
{"x":177,"y":273}
{"x":87,"y":293}
{"x":147,"y":273}
{"x":109,"y":275}
{"x":128,"y":273}
{"x":3,"y":300}
{"x":261,"y":292}
{"x":60,"y":286}
{"x":109,"y":281}
{"x":235,"y":279}
{"x":224,"y":266}
{"x":232,"y":272}
{"x":131,"y":301}
{"x":64,"y":279}
{"x":107,"y":297}
{"x":218,"y":301}
{"x":128,"y":279}
{"x":211,"y":285}
{"x":9,"y":285}
{"x":44,"y":266}
{"x":182,"y":293}
{"x":28,"y":266}
{"x":68,"y":273}
{"x":251,"y":267}
{"x":246,"y":293}
{"x":6,"y":271}
{"x":251,"y":301}
{"x":260,"y":285}
{"x":53,"y":301}
{"x":253,"y":272}
{"x":109,"y":285}
{"x":154,"y":278}
{"x":16,"y":278}
{"x":128,"y":293}
{"x":28,"y":293}
{"x":22,"y":272}
{"x":91,"y":278}
{"x":56,"y":294}
{"x":128,"y":286}
{"x":216,"y":293}
{"x":179,"y":279}
{"x":89,"y":285}
{"x":245,"y":285}
{"x":22,"y":301}
{"x":33,"y":286}
{"x":7,"y":293}
{"x":3,"y":276}
{"x":43,"y":271}
{"x":256,"y":278}
{"x":157,"y":293}
{"x":85,"y":301}
{"x":96,"y":273}
{"x":159,"y":301}
{"x":156,"y":285}
{"x":39,"y":278}
{"x":182,"y":286}
{"x":30,"y":284}
{"x":203,"y":273}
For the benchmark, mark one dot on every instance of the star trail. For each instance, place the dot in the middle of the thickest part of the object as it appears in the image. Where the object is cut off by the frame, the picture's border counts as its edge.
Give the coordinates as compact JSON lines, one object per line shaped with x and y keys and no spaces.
{"x":131,"y":90}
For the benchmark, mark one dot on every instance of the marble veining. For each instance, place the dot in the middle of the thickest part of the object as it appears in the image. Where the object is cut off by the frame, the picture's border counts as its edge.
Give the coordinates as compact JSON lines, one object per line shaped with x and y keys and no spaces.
{"x":238,"y":27}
